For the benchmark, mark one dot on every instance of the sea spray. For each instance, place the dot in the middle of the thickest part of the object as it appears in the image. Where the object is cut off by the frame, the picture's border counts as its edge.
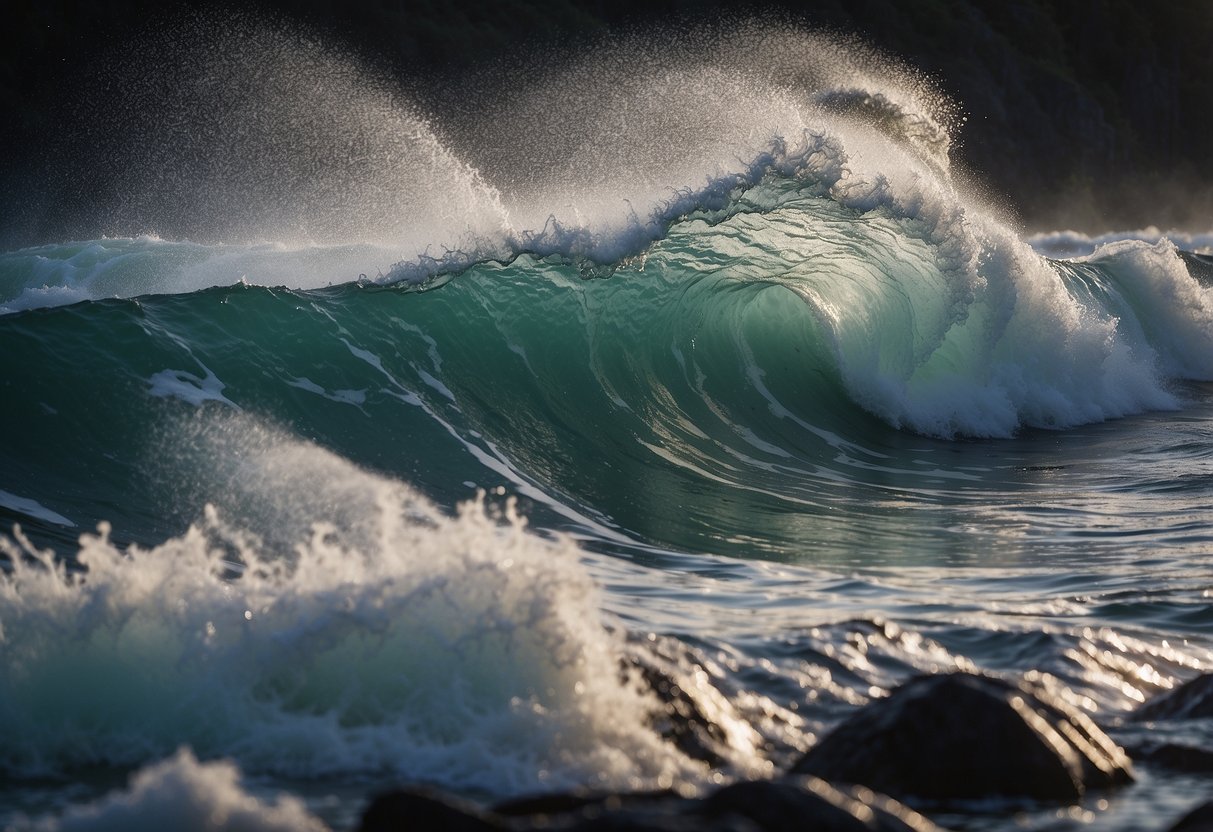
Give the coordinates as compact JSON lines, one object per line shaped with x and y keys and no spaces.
{"x":242,"y":129}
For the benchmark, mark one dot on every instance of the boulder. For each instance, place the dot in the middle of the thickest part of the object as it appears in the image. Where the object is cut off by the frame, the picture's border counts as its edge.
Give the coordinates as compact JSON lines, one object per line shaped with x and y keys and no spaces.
{"x":801,"y":802}
{"x":1199,"y":819}
{"x":650,"y":821}
{"x":1174,"y":756}
{"x":420,"y":810}
{"x":1191,"y":700}
{"x":424,"y":810}
{"x":552,"y":804}
{"x":963,"y":736}
{"x":789,"y":803}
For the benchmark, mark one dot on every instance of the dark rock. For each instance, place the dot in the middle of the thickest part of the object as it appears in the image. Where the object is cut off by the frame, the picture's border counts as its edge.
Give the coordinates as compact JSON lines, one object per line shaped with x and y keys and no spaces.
{"x":636,"y":821}
{"x":567,"y":803}
{"x":1174,"y":756}
{"x":962,"y":736}
{"x":668,"y":668}
{"x":1199,"y":819}
{"x":810,"y":803}
{"x":420,"y":810}
{"x":1191,"y":700}
{"x":649,"y":811}
{"x":754,"y":806}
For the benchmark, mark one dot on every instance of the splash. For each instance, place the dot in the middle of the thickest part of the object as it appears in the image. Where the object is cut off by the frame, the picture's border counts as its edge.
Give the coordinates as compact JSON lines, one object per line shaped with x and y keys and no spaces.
{"x":181,"y":793}
{"x":241,"y":129}
{"x":366,"y":632}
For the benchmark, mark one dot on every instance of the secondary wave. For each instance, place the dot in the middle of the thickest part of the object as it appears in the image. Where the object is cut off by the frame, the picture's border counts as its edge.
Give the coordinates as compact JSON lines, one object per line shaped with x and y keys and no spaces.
{"x":372,"y":634}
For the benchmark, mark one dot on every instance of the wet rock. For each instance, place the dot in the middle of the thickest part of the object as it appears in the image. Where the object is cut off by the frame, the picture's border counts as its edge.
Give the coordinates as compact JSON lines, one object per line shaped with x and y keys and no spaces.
{"x":795,"y":803}
{"x":963,"y":736}
{"x":649,"y":811}
{"x":1174,"y":756}
{"x":691,"y":712}
{"x":1191,"y":700}
{"x":641,"y":821}
{"x":791,"y":803}
{"x":567,"y":803}
{"x":421,"y":810}
{"x":1199,"y":819}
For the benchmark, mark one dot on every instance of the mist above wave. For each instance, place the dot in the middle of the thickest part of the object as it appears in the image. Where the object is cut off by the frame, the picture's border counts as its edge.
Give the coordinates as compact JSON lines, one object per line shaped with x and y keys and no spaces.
{"x":243,"y":129}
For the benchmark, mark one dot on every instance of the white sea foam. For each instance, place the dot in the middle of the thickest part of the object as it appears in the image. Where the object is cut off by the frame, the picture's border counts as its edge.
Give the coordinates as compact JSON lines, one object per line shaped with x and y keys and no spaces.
{"x":1173,"y":312}
{"x":32,"y":508}
{"x":1078,"y":244}
{"x":189,"y":387}
{"x":60,"y":274}
{"x":182,"y":794}
{"x":336,"y":623}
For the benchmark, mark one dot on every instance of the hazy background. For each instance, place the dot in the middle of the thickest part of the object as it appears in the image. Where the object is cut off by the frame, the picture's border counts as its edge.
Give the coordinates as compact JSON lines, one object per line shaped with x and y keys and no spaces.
{"x":1087,"y":114}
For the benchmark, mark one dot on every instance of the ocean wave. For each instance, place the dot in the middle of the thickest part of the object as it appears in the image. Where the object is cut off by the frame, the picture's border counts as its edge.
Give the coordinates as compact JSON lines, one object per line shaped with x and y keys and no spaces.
{"x":1071,"y":244}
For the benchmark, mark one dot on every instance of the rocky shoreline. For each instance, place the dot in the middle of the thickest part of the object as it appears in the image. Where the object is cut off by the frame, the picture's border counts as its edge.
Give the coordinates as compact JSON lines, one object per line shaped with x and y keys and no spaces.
{"x":936,"y":743}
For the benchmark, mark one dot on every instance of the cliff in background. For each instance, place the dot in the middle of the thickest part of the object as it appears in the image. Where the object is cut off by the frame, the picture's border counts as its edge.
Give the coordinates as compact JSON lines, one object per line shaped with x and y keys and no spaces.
{"x":1088,"y":113}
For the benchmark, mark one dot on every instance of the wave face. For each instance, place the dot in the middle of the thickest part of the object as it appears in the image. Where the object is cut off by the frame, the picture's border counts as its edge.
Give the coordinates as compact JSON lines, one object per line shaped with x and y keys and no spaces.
{"x":712,"y":313}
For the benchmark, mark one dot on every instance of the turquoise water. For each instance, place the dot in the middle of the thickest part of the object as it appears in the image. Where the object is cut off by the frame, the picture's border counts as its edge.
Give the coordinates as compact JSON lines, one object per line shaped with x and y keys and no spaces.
{"x":797,"y":414}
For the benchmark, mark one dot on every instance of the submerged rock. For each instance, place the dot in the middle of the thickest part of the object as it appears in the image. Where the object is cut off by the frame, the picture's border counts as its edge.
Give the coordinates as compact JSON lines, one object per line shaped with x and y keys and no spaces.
{"x":565,"y":803}
{"x":786,"y":805}
{"x":425,"y":809}
{"x":963,"y":736}
{"x":1174,"y":756}
{"x":692,"y":713}
{"x":796,"y":803}
{"x":1191,"y":700}
{"x":1199,"y":819}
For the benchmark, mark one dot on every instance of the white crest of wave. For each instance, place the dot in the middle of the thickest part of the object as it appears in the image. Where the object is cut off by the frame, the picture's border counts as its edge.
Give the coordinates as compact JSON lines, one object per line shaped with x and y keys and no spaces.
{"x":1172,"y":309}
{"x":261,"y":133}
{"x":596,"y":153}
{"x":182,"y":794}
{"x":361,"y":631}
{"x":1069,"y":243}
{"x":964,"y":330}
